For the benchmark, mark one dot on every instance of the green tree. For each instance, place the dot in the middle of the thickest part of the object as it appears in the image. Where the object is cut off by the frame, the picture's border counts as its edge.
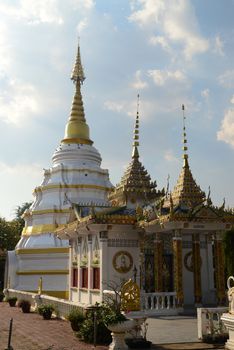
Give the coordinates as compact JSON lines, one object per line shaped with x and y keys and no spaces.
{"x":10,"y":233}
{"x":228,"y":244}
{"x":19,"y":212}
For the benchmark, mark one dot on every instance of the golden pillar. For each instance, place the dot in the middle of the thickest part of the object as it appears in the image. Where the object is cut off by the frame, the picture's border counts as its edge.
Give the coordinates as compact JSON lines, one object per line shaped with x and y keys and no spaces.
{"x":158,"y":263}
{"x":219,"y":270}
{"x":178,"y":267}
{"x":196,"y":261}
{"x":142,"y":260}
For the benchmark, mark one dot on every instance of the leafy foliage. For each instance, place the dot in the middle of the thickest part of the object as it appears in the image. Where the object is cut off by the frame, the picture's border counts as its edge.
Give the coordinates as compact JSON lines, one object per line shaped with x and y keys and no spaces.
{"x":111,"y":316}
{"x":76,"y":318}
{"x":19,"y":212}
{"x":228,"y":244}
{"x":46,"y":310}
{"x":86,"y":332}
{"x":10,"y":231}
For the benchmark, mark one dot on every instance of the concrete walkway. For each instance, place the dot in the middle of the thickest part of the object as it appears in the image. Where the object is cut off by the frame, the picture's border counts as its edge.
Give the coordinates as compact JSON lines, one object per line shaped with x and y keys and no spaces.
{"x":31,"y":332}
{"x":176,"y":333}
{"x":172,"y":329}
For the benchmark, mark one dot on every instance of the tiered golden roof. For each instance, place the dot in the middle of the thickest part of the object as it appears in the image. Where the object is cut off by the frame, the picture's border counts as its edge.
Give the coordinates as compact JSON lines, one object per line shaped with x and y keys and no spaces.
{"x":136,"y":183}
{"x":77,"y":130}
{"x":186,"y":192}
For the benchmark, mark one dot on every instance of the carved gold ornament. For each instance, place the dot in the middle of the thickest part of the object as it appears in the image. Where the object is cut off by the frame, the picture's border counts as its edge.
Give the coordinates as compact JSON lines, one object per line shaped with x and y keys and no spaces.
{"x":188,"y":261}
{"x":122,"y":261}
{"x":130,"y":296}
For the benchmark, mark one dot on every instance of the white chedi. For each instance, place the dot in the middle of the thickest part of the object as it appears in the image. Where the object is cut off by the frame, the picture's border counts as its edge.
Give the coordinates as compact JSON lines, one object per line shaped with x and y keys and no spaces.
{"x":75,"y":177}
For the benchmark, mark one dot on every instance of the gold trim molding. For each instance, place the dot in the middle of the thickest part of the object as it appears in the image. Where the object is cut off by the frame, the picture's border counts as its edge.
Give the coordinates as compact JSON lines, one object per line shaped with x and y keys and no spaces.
{"x":77,"y":140}
{"x":34,"y":230}
{"x":61,"y":294}
{"x":81,"y":186}
{"x":43,"y":272}
{"x":50,"y":211}
{"x":42,"y":251}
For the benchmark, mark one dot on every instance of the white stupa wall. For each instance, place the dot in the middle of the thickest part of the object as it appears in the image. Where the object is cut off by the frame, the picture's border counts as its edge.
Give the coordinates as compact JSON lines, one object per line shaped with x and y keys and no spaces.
{"x":75,"y":177}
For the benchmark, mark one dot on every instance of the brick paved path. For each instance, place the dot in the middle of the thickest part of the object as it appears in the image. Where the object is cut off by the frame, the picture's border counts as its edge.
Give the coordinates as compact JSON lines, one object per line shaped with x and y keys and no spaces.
{"x":31,"y":332}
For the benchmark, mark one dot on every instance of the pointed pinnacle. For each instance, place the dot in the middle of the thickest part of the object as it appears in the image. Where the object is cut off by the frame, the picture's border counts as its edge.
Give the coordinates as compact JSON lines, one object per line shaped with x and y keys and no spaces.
{"x":135,"y":153}
{"x":78,"y":72}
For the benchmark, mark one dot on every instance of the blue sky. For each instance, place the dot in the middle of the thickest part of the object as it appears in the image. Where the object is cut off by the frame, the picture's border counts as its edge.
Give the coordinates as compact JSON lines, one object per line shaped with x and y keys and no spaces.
{"x":169,"y":51}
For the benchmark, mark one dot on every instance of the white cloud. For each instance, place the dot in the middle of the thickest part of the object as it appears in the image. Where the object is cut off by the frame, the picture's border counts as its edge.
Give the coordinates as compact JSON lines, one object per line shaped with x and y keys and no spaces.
{"x":161,"y":41}
{"x":114,"y":106}
{"x":5,"y":49}
{"x":226,"y":132}
{"x":227,"y":79}
{"x":138,"y":83}
{"x":205,"y":93}
{"x":22,"y":179}
{"x":83,"y":4}
{"x":18,"y":101}
{"x":232,"y":99}
{"x":175,"y":19}
{"x":43,"y":11}
{"x":218,"y":46}
{"x":34,"y":11}
{"x":147,"y":108}
{"x":161,"y":77}
{"x":169,"y":156}
{"x":82,"y":25}
{"x":17,"y":169}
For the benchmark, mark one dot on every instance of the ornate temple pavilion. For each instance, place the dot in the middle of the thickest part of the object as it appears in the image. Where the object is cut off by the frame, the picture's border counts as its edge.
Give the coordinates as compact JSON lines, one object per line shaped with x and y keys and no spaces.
{"x":188,"y":228}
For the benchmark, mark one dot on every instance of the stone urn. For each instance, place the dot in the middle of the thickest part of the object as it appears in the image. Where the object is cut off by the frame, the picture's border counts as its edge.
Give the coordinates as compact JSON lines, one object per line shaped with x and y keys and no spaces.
{"x":228,"y":318}
{"x":118,"y":331}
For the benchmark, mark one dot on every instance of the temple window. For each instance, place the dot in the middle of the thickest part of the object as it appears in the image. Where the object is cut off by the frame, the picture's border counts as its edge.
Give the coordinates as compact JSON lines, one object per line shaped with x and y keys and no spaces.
{"x":74,"y":277}
{"x":84,"y":273}
{"x":96,"y":278}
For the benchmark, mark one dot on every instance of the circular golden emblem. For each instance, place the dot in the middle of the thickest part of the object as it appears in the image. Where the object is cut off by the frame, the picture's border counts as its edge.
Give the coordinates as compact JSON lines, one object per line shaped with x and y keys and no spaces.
{"x":188,"y":261}
{"x":122,"y":261}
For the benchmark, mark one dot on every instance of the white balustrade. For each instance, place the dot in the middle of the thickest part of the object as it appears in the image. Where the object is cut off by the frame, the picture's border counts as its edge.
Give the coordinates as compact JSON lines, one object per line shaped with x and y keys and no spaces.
{"x":159,"y":303}
{"x":151,"y":303}
{"x":62,"y":307}
{"x":209,"y":322}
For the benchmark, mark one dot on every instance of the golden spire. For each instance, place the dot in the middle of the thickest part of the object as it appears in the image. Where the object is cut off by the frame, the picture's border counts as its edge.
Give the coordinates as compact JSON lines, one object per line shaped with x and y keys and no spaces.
{"x":135,"y":185}
{"x":186,"y":191}
{"x":77,"y":130}
{"x":185,"y":147}
{"x":135,"y":153}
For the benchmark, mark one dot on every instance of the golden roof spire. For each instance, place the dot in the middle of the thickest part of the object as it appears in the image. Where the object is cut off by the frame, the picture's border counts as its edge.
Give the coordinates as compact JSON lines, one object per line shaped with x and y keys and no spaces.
{"x":135,"y":153}
{"x":77,"y":130}
{"x":135,"y":185}
{"x":186,"y":191}
{"x":185,"y":147}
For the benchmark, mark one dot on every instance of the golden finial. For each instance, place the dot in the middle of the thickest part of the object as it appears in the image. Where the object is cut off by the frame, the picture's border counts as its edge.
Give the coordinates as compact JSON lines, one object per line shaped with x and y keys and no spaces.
{"x":135,"y":144}
{"x":40,"y":286}
{"x":77,"y":130}
{"x":168,"y":184}
{"x":185,"y":148}
{"x":78,"y":72}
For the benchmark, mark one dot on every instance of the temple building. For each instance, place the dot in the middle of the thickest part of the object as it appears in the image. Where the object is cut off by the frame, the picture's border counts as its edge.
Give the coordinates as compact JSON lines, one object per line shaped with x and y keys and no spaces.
{"x":82,"y":235}
{"x":75,"y":176}
{"x":187,"y":230}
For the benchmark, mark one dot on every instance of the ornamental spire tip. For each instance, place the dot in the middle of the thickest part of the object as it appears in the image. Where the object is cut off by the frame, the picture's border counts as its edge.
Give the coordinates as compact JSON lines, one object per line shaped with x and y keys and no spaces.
{"x":185,"y":147}
{"x":77,"y":74}
{"x":135,"y":144}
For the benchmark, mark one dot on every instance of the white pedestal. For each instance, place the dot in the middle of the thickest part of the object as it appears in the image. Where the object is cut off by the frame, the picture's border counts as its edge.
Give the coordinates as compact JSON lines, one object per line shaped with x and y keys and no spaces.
{"x":228,"y":320}
{"x":118,"y":334}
